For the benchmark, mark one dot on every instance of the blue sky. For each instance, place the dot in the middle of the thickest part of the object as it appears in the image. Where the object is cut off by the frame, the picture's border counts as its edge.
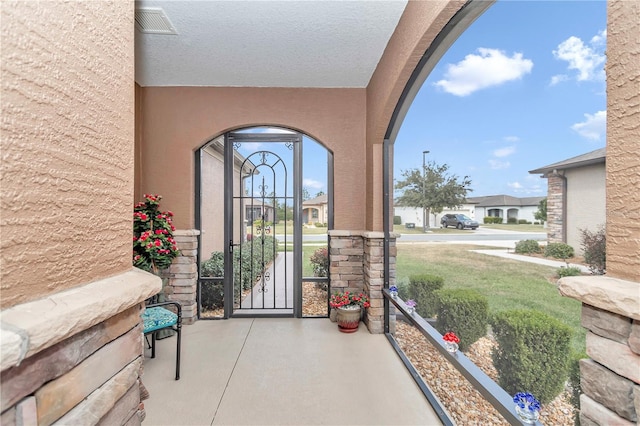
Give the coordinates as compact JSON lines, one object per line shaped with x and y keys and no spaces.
{"x":523,"y":87}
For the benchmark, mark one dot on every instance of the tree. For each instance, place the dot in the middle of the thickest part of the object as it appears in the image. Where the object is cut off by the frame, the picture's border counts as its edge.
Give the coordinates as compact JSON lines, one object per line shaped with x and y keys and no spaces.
{"x":433,"y":189}
{"x":305,"y":194}
{"x":541,"y":214}
{"x":319,"y":193}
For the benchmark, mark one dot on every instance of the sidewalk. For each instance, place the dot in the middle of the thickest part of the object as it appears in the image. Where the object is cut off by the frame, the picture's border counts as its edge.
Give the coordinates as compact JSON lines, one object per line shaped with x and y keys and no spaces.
{"x":506,"y":254}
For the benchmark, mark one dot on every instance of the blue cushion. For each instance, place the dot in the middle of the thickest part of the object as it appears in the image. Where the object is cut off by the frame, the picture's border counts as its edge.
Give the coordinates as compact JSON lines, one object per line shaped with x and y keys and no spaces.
{"x":158,"y":317}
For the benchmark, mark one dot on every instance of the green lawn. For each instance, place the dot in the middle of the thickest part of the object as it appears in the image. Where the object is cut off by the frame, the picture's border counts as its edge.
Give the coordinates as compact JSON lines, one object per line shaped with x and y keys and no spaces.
{"x":280,"y":229}
{"x":508,"y":284}
{"x":515,"y":227}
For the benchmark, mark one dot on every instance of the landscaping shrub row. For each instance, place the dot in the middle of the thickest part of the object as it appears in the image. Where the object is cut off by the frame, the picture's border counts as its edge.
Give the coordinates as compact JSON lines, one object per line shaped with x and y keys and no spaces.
{"x":492,"y":219}
{"x":533,"y":353}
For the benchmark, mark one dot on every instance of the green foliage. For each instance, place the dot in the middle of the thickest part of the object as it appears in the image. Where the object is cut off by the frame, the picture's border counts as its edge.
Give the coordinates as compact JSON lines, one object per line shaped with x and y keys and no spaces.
{"x":594,"y":248}
{"x":512,"y":220}
{"x":421,"y":289}
{"x":397,"y":220}
{"x":523,"y":222}
{"x":259,"y":223}
{"x":320,"y":262}
{"x":320,"y":225}
{"x":569,"y":271}
{"x":432,"y":189}
{"x":214,"y":266}
{"x":574,"y":383}
{"x":264,"y":247}
{"x":541,"y":214}
{"x":211,"y":295}
{"x":492,"y":219}
{"x":558,"y":251}
{"x":528,"y":247}
{"x":532,"y":354}
{"x":463,"y":311}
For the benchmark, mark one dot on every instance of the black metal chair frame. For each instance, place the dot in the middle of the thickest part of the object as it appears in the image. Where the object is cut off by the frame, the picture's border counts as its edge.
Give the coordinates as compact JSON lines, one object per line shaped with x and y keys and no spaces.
{"x":176,"y":327}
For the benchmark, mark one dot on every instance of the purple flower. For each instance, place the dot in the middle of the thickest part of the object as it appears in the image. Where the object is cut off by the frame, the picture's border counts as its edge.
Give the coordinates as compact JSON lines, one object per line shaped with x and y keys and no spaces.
{"x":411,"y":303}
{"x":393,"y":288}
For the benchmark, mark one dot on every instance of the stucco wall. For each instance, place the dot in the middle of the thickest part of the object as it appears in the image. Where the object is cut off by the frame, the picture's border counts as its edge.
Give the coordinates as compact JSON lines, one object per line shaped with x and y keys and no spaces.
{"x":67,"y":154}
{"x":178,"y":120}
{"x":623,"y":140}
{"x":585,"y":202}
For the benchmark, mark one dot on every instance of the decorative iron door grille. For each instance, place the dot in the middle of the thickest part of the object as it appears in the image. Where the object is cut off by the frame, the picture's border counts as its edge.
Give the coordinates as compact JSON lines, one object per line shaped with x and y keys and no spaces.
{"x":262,"y":224}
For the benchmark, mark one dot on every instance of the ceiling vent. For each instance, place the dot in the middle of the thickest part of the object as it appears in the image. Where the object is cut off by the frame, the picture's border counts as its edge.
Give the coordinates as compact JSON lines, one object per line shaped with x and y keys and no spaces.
{"x":153,"y":21}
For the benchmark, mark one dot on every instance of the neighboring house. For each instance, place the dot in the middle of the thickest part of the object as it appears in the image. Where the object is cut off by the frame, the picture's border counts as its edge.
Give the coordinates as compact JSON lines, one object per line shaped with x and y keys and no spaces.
{"x":505,"y":206}
{"x":478,"y":208}
{"x":315,"y":210}
{"x":414,"y":215}
{"x":576,"y":196}
{"x":255,"y":209}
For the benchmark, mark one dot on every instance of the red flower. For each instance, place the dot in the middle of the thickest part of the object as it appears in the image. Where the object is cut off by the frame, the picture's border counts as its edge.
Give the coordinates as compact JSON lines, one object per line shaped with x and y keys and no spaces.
{"x":158,"y":243}
{"x":451,"y":337}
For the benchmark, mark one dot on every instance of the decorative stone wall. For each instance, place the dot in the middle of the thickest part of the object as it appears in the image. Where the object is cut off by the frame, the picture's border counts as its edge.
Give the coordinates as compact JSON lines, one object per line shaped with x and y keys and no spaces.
{"x":182,"y":275}
{"x":75,"y":357}
{"x":357,"y":265}
{"x":610,"y":378}
{"x":555,"y":207}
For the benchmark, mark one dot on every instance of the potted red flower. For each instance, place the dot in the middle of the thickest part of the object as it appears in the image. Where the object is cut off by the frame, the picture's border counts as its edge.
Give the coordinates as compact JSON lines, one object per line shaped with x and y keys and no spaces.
{"x":349,"y":309}
{"x":451,"y":341}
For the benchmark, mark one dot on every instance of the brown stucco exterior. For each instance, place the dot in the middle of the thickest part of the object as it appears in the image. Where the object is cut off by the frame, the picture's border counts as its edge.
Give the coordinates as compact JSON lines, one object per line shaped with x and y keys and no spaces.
{"x":623,"y":140}
{"x":67,"y":157}
{"x":179,"y":120}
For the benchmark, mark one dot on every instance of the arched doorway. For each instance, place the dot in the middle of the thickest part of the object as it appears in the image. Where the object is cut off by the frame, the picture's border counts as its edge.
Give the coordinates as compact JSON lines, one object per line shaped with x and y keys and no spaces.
{"x":250,"y":187}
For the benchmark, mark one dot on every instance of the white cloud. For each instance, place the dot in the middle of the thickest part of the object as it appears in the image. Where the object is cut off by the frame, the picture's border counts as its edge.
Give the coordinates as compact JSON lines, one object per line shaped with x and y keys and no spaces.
{"x":312,"y":184}
{"x":558,"y":79}
{"x":490,"y":67}
{"x":594,"y":126}
{"x":514,"y":185}
{"x":274,"y":130}
{"x":511,"y":138}
{"x":504,"y":152}
{"x":519,"y":188}
{"x":587,"y":59}
{"x":497,"y":165}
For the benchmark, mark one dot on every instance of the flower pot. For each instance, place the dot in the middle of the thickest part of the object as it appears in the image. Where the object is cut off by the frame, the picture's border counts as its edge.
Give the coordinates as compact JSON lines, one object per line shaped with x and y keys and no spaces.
{"x":348,"y":318}
{"x":333,"y":314}
{"x":451,"y":346}
{"x":528,"y":415}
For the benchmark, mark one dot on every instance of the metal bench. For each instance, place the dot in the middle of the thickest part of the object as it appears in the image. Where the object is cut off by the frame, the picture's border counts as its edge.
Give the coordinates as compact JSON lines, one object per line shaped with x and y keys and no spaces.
{"x":155,"y":318}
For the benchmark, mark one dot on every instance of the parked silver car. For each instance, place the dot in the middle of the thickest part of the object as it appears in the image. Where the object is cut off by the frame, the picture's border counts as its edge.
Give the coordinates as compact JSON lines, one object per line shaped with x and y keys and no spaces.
{"x":460,"y":221}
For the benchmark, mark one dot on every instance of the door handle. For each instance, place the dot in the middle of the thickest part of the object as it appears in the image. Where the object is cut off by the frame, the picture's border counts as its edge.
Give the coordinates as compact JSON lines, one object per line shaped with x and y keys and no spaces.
{"x":231,"y":245}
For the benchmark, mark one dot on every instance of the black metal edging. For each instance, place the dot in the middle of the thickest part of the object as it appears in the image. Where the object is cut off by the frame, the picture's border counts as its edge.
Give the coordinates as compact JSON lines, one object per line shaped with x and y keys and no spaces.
{"x":490,"y":390}
{"x":426,"y":390}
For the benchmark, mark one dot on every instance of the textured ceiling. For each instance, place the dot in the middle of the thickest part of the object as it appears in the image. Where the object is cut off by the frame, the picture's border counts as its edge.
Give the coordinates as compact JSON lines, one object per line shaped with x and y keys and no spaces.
{"x":266,"y":43}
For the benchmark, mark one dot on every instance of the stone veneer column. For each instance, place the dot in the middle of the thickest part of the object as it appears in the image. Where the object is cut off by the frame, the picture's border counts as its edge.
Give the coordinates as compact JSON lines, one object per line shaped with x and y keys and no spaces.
{"x":555,"y":208}
{"x":75,"y":357}
{"x":610,"y":379}
{"x":346,"y":253}
{"x":183,"y":275}
{"x":373,"y":266}
{"x":357,"y":264}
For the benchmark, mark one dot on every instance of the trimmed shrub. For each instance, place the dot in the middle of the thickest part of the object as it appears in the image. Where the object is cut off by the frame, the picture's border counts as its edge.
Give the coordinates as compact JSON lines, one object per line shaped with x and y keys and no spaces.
{"x":421,"y":289}
{"x":574,"y":384}
{"x":527,"y":247}
{"x":569,"y":271}
{"x":211,"y":295}
{"x":594,"y":248}
{"x":397,"y":220}
{"x":214,"y":266}
{"x":320,"y":262}
{"x":512,"y":220}
{"x":558,"y":251}
{"x":492,"y":219}
{"x":532,"y":354}
{"x":523,"y":222}
{"x":463,"y":311}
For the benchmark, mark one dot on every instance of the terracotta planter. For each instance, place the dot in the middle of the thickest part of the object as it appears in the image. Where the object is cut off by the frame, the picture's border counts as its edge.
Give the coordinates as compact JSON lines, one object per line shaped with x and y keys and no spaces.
{"x":348,"y":319}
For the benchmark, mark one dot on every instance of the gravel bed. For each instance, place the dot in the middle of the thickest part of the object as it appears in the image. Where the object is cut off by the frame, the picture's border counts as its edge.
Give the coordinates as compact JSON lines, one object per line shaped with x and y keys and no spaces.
{"x":464,"y":404}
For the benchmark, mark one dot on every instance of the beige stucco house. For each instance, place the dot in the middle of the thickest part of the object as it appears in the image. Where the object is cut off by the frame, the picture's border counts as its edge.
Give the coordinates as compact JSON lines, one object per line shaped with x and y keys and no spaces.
{"x":316,"y":210}
{"x":83,"y":139}
{"x":576,"y":196}
{"x":506,"y":207}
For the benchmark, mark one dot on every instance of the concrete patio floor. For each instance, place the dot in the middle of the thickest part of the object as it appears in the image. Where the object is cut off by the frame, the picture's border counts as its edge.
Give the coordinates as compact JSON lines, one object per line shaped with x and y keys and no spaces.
{"x":281,"y":371}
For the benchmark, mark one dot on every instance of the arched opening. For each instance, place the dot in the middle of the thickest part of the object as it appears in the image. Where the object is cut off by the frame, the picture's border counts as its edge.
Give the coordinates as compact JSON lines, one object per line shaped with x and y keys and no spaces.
{"x":454,"y":144}
{"x":251,"y":185}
